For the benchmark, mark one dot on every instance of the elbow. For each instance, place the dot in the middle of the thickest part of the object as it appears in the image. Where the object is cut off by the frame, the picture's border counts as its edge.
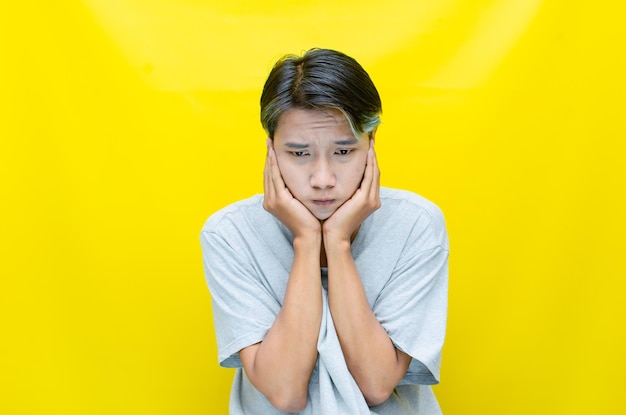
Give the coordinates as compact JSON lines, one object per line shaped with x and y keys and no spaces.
{"x":375,"y":400}
{"x":289,"y":402}
{"x":375,"y":396}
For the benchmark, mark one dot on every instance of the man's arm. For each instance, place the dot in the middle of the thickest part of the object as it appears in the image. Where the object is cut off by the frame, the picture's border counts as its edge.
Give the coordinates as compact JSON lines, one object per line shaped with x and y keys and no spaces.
{"x":374,"y":362}
{"x":281,"y":365}
{"x":376,"y":365}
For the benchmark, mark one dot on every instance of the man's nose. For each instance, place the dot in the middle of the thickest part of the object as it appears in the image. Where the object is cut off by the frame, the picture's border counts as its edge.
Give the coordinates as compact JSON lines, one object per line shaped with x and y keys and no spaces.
{"x":322,"y":176}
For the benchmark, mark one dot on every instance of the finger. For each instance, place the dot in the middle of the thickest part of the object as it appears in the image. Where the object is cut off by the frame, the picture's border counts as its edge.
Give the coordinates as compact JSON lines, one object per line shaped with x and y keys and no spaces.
{"x":266,"y":168}
{"x":276,"y":177}
{"x":375,"y":189}
{"x":270,"y":192}
{"x":368,"y":175}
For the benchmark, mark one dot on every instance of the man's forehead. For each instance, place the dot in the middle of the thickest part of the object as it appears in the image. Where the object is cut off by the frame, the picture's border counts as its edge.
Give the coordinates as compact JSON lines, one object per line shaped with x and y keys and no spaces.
{"x":303,"y":143}
{"x":312,"y":118}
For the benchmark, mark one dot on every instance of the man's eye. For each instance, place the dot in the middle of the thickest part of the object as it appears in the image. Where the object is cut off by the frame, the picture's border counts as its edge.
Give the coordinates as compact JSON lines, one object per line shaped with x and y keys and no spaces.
{"x":343,"y":151}
{"x":299,"y":153}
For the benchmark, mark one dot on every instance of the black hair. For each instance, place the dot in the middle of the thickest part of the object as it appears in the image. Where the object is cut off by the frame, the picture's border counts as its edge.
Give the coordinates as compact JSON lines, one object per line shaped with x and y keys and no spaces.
{"x":321,"y":79}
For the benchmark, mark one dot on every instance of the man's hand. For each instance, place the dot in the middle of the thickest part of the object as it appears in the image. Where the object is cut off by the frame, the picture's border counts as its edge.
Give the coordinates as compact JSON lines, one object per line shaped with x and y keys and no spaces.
{"x":346,"y":220}
{"x":376,"y":365}
{"x":280,"y":366}
{"x":280,"y":202}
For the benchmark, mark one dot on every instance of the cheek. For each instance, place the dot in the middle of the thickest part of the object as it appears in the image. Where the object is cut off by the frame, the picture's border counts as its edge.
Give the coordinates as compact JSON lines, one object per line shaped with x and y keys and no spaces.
{"x":353,"y":174}
{"x":290,"y":174}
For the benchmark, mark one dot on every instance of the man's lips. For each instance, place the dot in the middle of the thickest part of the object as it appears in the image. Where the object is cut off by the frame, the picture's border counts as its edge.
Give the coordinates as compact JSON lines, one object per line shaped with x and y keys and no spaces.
{"x":323,"y":202}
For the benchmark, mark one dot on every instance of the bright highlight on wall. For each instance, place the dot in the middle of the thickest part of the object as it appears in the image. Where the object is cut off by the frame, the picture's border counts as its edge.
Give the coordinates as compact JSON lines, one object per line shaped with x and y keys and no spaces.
{"x":124,"y":124}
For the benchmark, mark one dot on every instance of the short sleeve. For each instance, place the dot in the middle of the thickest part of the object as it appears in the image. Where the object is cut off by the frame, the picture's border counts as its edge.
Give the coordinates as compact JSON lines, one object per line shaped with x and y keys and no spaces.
{"x":412,"y":307}
{"x":244,"y":307}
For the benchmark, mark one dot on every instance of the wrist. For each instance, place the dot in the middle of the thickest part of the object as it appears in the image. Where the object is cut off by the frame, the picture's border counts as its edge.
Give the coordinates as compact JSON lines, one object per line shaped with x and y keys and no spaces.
{"x":308,"y":240}
{"x":335,"y":243}
{"x":337,"y":237}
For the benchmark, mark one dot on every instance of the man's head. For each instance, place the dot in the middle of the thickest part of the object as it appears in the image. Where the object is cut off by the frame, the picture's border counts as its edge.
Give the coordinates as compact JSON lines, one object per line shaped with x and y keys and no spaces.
{"x":321,"y":79}
{"x":321,"y":111}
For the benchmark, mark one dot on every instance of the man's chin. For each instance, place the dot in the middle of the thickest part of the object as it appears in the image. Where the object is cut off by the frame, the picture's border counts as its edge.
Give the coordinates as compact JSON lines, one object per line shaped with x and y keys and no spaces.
{"x":322,"y":215}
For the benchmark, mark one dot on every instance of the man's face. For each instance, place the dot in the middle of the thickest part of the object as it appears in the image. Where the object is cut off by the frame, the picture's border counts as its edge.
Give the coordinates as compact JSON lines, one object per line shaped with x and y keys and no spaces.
{"x":320,"y":160}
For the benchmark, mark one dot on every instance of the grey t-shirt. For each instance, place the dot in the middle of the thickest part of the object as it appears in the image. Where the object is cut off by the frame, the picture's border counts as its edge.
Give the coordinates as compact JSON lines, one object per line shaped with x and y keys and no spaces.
{"x":401,"y":252}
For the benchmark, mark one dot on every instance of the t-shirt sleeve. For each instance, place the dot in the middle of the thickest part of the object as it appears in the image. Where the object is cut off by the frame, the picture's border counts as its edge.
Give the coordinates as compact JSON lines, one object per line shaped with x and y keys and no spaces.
{"x":244,"y":308}
{"x":412,"y":307}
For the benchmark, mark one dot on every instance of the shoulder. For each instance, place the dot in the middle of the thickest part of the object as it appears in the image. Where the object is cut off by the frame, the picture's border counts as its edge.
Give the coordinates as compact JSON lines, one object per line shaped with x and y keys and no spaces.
{"x":407,"y":213}
{"x":240,"y":212}
{"x":245,"y":225}
{"x":410,"y":204}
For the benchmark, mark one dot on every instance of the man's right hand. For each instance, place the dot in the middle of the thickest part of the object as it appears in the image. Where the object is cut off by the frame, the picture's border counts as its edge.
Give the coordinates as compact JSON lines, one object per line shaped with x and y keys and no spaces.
{"x":280,"y":366}
{"x":280,"y":202}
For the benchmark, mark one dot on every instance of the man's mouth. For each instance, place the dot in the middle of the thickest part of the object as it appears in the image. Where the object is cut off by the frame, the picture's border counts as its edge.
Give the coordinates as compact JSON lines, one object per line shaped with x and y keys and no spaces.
{"x":323,"y":202}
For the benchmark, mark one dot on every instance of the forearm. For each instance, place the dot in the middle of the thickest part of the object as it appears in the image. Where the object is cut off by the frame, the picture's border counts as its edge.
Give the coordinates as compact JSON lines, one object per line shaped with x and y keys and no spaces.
{"x":281,"y":365}
{"x":376,"y":365}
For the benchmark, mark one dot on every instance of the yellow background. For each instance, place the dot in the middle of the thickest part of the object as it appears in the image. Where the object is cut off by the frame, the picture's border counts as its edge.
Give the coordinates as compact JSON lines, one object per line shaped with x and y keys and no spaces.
{"x":124,"y":124}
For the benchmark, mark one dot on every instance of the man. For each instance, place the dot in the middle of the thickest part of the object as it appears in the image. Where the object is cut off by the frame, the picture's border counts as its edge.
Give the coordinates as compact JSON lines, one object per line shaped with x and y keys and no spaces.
{"x":329,"y":293}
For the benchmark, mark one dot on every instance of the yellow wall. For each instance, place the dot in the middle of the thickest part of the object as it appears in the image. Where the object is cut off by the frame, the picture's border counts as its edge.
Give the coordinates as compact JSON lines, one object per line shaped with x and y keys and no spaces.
{"x":124,"y":124}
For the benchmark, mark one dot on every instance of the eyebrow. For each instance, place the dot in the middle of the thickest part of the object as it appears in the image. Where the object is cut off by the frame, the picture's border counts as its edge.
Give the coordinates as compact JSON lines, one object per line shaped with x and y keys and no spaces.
{"x":342,"y":142}
{"x":296,"y":146}
{"x":346,"y":142}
